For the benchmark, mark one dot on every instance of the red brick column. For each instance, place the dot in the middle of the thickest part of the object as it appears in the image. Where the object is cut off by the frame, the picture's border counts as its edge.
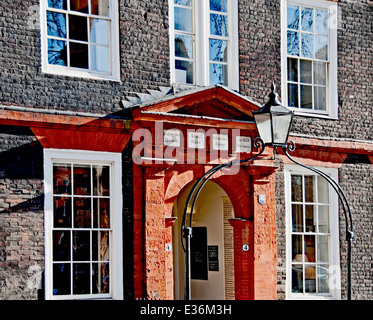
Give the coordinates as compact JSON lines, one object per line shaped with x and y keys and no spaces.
{"x":265,"y":243}
{"x":155,"y":266}
{"x":243,"y":259}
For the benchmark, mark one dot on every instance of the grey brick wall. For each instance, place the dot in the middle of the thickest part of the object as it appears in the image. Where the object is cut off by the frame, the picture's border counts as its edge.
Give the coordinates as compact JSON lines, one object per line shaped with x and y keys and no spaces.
{"x":143,"y":51}
{"x":21,"y":214}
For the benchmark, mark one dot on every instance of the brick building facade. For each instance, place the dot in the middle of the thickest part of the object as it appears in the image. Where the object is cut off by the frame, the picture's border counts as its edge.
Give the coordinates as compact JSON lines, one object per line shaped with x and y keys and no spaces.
{"x":65,"y":115}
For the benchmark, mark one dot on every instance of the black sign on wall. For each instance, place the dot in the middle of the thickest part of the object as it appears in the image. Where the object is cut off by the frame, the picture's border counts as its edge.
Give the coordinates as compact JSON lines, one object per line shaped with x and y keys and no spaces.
{"x":198,"y":249}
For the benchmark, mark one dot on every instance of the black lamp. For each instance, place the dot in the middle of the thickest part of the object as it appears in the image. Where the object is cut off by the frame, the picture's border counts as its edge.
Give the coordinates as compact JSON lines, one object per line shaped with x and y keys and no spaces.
{"x":273,"y":121}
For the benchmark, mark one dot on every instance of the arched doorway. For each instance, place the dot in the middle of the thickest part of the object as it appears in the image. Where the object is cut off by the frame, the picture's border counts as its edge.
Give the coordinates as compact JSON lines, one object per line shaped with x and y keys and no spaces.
{"x":212,"y":251}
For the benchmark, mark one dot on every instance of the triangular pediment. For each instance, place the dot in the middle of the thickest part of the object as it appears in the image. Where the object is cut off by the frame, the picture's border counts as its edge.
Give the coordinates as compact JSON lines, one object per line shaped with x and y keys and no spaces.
{"x":216,"y":102}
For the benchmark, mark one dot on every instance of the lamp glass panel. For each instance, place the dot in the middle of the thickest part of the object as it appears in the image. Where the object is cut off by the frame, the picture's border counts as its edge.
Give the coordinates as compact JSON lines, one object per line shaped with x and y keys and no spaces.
{"x":281,"y":123}
{"x":263,"y":124}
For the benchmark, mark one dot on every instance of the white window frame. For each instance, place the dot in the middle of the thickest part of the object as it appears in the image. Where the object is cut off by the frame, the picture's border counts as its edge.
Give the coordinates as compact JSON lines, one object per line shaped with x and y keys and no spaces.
{"x":334,"y":257}
{"x":201,"y":24}
{"x":113,"y":75}
{"x":52,"y":156}
{"x":332,"y":75}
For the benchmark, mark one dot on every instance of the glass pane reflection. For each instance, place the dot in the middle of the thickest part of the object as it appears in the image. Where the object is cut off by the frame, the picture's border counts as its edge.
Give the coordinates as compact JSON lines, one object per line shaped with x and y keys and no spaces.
{"x":218,"y":74}
{"x":184,"y":71}
{"x":81,"y":278}
{"x":79,"y":5}
{"x":61,"y":278}
{"x":100,"y":58}
{"x":57,"y":4}
{"x":218,"y":5}
{"x":100,"y":7}
{"x":56,"y":24}
{"x":184,"y":46}
{"x":57,"y":54}
{"x":78,"y":28}
{"x":99,"y":31}
{"x":219,"y":25}
{"x":183,"y":19}
{"x":218,"y":50}
{"x":81,"y":245}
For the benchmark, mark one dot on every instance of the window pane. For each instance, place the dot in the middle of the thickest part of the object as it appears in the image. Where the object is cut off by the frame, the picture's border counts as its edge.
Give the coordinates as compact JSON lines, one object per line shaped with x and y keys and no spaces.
{"x":104,"y":246}
{"x":310,"y":218}
{"x":100,"y":277}
{"x":322,"y":190}
{"x":321,"y":47}
{"x":184,"y":71}
{"x":323,"y":278}
{"x":219,"y":25}
{"x":99,"y":31}
{"x":296,"y":188}
{"x":100,"y":58}
{"x":101,"y":180}
{"x":78,"y":28}
{"x":62,"y":179}
{"x":307,"y":19}
{"x":184,"y":2}
{"x":310,"y":279}
{"x":79,"y":5}
{"x":320,"y":98}
{"x":305,"y":71}
{"x":307,"y":45}
{"x":62,"y":212}
{"x":310,"y":187}
{"x":61,"y":246}
{"x":218,"y":74}
{"x":81,"y":245}
{"x":293,"y":95}
{"x":306,"y":97}
{"x":297,"y":215}
{"x":319,"y":73}
{"x":323,"y":249}
{"x":183,"y":19}
{"x":95,"y":245}
{"x":293,"y":43}
{"x":100,"y":246}
{"x":309,"y":241}
{"x":57,"y":4}
{"x":323,"y":221}
{"x":82,"y":213}
{"x":101,"y":213}
{"x":57,"y":54}
{"x":297,"y":278}
{"x":56,"y":24}
{"x":81,"y":278}
{"x":218,"y":5}
{"x":292,"y":17}
{"x":321,"y":21}
{"x":184,"y":46}
{"x":82,"y":180}
{"x":292,"y":69}
{"x":218,"y":50}
{"x":61,"y":278}
{"x":297,"y":248}
{"x":100,"y":7}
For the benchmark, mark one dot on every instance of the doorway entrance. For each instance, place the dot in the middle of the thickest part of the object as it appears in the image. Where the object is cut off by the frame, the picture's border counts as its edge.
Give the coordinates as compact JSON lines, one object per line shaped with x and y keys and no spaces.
{"x":212,"y":254}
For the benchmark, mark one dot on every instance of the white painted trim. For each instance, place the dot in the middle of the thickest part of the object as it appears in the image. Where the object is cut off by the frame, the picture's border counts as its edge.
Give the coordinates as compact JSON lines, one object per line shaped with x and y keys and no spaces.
{"x":334,"y":231}
{"x":78,"y":72}
{"x":89,"y":157}
{"x":332,"y":88}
